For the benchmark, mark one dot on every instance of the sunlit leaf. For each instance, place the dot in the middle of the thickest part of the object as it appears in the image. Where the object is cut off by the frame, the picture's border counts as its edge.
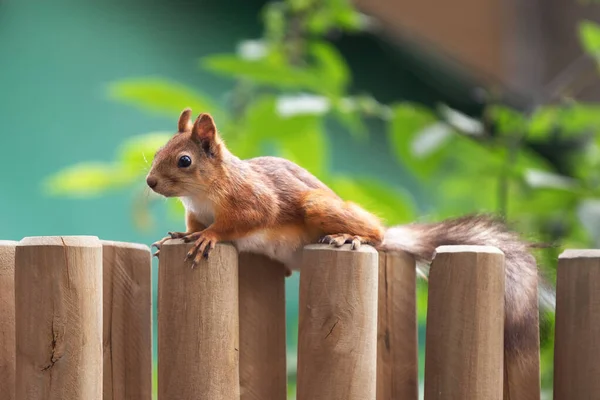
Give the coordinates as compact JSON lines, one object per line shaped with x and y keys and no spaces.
{"x":252,"y":49}
{"x":507,"y":121}
{"x":162,"y":96}
{"x":462,"y":122}
{"x":544,"y":179}
{"x":570,"y":120}
{"x":299,"y":137}
{"x":307,"y":148}
{"x":88,"y":180}
{"x":430,"y":139}
{"x":589,"y":36}
{"x":331,"y":66}
{"x":137,"y":152}
{"x":407,"y":123}
{"x":264,"y":71}
{"x":352,"y":121}
{"x":580,"y":118}
{"x":302,"y":104}
{"x":542,"y":122}
{"x":542,"y":203}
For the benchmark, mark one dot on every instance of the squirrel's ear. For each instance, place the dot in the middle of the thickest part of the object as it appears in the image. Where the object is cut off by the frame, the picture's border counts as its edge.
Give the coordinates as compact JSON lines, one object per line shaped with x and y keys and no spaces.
{"x":185,"y":123}
{"x":205,"y":132}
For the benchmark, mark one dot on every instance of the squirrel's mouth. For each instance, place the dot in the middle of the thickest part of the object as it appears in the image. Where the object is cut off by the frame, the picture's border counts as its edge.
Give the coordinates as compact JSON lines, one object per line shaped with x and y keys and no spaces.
{"x":163,"y":192}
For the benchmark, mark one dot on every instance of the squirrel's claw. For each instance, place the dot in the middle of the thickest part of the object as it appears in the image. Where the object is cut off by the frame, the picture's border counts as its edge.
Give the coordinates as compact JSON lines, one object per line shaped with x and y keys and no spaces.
{"x":340,"y":239}
{"x":205,"y":243}
{"x":159,"y":243}
{"x":178,"y":235}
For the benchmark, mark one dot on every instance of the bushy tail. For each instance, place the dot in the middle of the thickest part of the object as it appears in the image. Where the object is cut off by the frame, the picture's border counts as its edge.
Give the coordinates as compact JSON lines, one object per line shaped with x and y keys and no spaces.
{"x":521,"y":316}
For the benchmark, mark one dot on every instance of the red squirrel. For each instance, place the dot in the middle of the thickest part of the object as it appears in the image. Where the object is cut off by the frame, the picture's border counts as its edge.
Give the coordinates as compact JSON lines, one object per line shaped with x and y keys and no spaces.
{"x":271,"y":206}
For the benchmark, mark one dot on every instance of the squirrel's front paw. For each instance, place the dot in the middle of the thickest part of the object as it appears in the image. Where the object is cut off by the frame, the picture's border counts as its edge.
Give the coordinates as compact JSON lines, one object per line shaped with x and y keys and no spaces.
{"x":340,"y":239}
{"x":205,"y":242}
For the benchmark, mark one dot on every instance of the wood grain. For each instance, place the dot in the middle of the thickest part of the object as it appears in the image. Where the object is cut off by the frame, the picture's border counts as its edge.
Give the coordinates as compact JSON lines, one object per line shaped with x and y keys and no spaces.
{"x":465,"y":324}
{"x":262,"y":328}
{"x":337,"y":345}
{"x":58,"y":298}
{"x":7,"y":319}
{"x":397,"y":350}
{"x":576,"y":347}
{"x":127,"y":309}
{"x":198,"y":353}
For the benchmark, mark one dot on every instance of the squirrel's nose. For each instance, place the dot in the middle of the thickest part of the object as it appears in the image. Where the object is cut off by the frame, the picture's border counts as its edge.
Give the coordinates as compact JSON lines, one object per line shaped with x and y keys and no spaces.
{"x":152,"y":182}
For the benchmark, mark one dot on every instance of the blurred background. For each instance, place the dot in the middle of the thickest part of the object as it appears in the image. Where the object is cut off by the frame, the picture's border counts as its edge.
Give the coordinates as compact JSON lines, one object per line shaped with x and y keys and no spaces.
{"x":418,"y":110}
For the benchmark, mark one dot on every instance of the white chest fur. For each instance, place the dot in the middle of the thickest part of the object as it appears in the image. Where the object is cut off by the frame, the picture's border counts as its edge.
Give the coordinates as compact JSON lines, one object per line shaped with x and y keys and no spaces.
{"x":284,"y":246}
{"x":202,"y":208}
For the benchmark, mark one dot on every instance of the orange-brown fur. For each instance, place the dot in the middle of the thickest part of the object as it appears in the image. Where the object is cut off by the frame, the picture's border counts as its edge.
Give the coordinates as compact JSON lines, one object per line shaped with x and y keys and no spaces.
{"x":271,"y":206}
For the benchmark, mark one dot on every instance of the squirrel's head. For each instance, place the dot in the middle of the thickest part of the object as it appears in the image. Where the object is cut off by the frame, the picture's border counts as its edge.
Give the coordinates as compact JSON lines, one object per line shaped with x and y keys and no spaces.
{"x":190,"y":160}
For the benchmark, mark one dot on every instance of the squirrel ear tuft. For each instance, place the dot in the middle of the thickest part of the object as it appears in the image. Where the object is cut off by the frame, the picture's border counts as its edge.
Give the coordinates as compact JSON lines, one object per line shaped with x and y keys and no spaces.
{"x":205,"y":132}
{"x":185,"y":123}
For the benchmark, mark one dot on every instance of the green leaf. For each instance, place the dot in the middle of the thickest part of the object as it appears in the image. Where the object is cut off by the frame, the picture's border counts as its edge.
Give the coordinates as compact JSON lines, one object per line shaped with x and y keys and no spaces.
{"x":300,"y":137}
{"x":265,"y":71}
{"x":391,"y":205}
{"x":307,"y":147}
{"x":332,"y":67}
{"x":352,"y":121}
{"x":87,"y":180}
{"x":408,"y":122}
{"x":161,"y":95}
{"x":548,"y":180}
{"x":570,"y":120}
{"x":589,"y":36}
{"x":542,"y":122}
{"x":327,"y":74}
{"x":137,"y":152}
{"x":507,"y":121}
{"x":580,"y":118}
{"x":460,"y":121}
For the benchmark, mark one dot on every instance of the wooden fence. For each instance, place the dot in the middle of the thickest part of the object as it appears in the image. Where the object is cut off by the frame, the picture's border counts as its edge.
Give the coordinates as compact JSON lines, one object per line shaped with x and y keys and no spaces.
{"x":75,"y":323}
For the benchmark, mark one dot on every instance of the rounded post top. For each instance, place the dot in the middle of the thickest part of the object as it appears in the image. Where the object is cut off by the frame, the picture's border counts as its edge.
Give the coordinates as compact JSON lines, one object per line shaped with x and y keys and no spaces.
{"x":61,"y":241}
{"x":125,"y":245}
{"x":468,"y":249}
{"x":345,"y":248}
{"x":579,"y":253}
{"x":227,"y":246}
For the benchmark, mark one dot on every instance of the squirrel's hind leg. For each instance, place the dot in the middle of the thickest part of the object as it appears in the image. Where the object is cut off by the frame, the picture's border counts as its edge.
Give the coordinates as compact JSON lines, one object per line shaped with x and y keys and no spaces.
{"x":341,"y":221}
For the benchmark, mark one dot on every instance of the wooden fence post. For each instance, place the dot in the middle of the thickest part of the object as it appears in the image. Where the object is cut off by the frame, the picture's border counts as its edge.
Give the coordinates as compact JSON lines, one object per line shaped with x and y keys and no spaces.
{"x":262,"y":328}
{"x":58,"y":297}
{"x":198,"y":353}
{"x":465,"y":324}
{"x":337,"y":345}
{"x":7,"y":319}
{"x":397,"y":350}
{"x":127,"y":300}
{"x":576,"y":348}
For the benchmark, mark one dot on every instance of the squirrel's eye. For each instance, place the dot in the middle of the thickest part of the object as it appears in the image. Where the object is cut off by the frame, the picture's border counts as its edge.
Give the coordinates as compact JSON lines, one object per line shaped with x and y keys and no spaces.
{"x":184,"y":162}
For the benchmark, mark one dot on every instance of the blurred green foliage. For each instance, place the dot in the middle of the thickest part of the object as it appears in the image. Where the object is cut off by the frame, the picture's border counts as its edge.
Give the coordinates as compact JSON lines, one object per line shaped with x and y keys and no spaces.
{"x":291,"y":82}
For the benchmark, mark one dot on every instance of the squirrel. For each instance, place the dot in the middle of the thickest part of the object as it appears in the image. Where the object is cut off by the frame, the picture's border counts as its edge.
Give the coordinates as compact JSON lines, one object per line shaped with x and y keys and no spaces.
{"x":271,"y":206}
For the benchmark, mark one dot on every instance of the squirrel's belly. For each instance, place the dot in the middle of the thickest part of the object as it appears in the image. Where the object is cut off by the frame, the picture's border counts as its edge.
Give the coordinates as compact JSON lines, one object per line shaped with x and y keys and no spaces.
{"x":283,"y":245}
